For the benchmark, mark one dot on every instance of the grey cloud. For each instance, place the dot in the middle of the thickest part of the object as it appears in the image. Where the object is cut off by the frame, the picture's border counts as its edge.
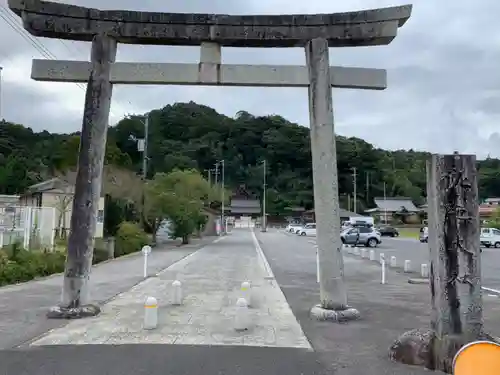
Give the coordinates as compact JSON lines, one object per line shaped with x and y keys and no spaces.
{"x":444,"y":82}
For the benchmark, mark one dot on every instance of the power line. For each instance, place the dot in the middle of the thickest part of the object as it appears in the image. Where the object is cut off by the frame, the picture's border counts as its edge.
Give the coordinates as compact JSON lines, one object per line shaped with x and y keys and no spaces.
{"x":35,"y":43}
{"x":43,"y":50}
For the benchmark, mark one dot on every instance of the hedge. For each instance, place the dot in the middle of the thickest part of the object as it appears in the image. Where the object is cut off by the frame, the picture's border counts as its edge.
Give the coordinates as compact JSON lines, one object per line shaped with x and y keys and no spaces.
{"x":19,"y":265}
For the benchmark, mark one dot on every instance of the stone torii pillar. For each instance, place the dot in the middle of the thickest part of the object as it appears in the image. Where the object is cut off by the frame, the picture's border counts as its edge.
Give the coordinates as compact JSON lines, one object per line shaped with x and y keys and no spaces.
{"x":315,"y":32}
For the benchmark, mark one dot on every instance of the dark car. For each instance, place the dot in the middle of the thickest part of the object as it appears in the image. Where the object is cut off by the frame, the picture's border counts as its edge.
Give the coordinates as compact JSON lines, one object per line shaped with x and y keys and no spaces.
{"x":388,"y":231}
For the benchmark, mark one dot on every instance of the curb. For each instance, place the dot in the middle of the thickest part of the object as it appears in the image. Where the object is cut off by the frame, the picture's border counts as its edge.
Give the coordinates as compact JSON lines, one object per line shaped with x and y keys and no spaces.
{"x":262,"y":256}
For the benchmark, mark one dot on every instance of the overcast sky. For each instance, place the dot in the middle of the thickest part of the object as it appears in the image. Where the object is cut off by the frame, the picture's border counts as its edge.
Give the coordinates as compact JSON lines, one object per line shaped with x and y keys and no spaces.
{"x":443,"y":75}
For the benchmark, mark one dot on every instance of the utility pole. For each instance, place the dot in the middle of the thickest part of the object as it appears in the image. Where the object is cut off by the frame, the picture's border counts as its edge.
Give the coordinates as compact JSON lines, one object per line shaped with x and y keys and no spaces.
{"x":385,"y":207}
{"x":222,"y":198}
{"x":367,"y":187}
{"x":209,"y":175}
{"x":145,"y":152}
{"x":355,"y":188}
{"x":142,"y":146}
{"x":264,"y":217}
{"x":216,"y":173}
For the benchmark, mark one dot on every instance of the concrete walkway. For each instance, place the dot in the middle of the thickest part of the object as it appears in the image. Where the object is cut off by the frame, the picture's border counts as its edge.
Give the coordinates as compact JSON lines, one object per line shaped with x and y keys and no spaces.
{"x":23,"y":306}
{"x":211,"y":280}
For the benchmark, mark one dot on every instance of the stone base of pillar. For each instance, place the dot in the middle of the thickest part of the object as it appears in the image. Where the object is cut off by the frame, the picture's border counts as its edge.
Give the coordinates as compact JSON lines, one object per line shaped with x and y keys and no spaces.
{"x":87,"y":311}
{"x":322,"y":314}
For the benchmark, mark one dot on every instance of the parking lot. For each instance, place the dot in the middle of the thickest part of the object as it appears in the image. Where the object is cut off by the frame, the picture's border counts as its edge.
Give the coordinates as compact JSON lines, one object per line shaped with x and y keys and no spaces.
{"x":418,"y":253}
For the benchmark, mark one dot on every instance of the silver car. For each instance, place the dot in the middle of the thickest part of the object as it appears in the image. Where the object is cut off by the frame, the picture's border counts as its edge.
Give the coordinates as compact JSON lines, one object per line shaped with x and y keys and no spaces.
{"x":361,"y":236}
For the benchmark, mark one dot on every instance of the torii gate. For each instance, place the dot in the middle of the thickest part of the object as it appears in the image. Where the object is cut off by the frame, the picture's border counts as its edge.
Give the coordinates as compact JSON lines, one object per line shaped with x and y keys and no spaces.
{"x":106,"y":28}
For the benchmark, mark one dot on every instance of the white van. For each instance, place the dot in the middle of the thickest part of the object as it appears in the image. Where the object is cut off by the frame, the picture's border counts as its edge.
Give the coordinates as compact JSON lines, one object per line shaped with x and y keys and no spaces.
{"x":490,"y":237}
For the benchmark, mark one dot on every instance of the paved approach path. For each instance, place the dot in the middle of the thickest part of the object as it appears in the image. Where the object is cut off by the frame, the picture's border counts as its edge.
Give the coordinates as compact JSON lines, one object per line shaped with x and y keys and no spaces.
{"x":23,"y":306}
{"x":211,"y":280}
{"x":360,"y":347}
{"x":212,"y":277}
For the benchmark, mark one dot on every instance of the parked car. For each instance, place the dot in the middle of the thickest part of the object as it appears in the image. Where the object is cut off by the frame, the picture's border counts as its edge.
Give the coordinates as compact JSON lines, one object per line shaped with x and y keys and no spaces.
{"x":490,"y":237}
{"x":424,"y":234}
{"x":293,"y":227}
{"x":308,"y":230}
{"x":388,"y":231}
{"x":366,"y":236}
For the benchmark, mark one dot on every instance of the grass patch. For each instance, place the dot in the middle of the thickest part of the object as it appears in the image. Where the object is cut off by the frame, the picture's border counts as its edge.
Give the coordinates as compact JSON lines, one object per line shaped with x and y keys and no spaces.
{"x":409,"y":232}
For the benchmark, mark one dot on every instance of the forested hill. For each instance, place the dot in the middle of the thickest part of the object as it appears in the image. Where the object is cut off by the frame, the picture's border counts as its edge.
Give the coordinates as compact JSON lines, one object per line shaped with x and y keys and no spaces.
{"x":187,"y":135}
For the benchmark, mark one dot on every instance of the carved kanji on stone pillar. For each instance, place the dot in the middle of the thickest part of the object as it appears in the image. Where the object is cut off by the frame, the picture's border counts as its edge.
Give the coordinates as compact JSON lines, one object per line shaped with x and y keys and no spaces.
{"x":455,"y":271}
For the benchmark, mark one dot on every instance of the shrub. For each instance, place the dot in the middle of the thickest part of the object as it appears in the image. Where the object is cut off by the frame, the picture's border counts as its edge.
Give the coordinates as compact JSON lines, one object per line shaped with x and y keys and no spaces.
{"x":129,"y":238}
{"x":19,"y":265}
{"x":22,"y":265}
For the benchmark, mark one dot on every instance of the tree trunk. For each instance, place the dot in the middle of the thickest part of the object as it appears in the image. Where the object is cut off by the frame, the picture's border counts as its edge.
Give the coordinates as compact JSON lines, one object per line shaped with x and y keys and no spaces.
{"x":455,"y":272}
{"x":75,"y":298}
{"x":185,"y":240}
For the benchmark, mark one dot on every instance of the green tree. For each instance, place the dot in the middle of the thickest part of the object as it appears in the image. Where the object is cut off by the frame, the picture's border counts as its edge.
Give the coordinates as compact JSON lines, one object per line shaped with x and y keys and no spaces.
{"x":180,"y":196}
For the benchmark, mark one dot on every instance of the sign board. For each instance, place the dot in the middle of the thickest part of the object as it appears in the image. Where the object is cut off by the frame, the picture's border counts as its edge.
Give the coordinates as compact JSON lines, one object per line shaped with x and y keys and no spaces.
{"x":478,"y":358}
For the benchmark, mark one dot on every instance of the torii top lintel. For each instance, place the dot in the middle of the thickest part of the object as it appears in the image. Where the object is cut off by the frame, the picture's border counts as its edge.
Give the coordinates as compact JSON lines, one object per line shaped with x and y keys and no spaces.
{"x":64,"y":21}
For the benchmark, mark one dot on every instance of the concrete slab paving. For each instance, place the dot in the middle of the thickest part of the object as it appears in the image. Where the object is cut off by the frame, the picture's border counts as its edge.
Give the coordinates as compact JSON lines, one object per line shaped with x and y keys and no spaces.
{"x":23,"y":307}
{"x":211,"y":279}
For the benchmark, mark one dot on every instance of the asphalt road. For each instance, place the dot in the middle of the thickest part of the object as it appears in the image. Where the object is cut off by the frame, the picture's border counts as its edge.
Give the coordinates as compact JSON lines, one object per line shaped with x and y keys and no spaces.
{"x":357,"y":347}
{"x":418,"y":253}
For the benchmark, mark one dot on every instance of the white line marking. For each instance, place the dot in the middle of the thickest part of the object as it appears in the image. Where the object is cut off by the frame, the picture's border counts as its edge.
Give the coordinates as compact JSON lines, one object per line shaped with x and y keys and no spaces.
{"x":262,"y":256}
{"x":491,"y":290}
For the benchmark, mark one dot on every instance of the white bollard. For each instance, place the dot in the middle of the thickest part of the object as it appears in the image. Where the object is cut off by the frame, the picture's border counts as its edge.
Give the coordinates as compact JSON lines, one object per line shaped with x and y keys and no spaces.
{"x":241,"y":319}
{"x":424,"y":271}
{"x":356,"y":251}
{"x":372,"y":255}
{"x":382,"y":263}
{"x":393,"y":262}
{"x":407,"y":266}
{"x":177,"y":293}
{"x":150,"y":313}
{"x":146,"y":250}
{"x":349,"y":249}
{"x":381,"y":257}
{"x":364,"y":253}
{"x":246,"y":292}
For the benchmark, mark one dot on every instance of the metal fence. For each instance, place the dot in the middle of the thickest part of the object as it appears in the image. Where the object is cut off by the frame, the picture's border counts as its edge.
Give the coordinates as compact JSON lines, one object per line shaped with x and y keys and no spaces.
{"x":33,"y":227}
